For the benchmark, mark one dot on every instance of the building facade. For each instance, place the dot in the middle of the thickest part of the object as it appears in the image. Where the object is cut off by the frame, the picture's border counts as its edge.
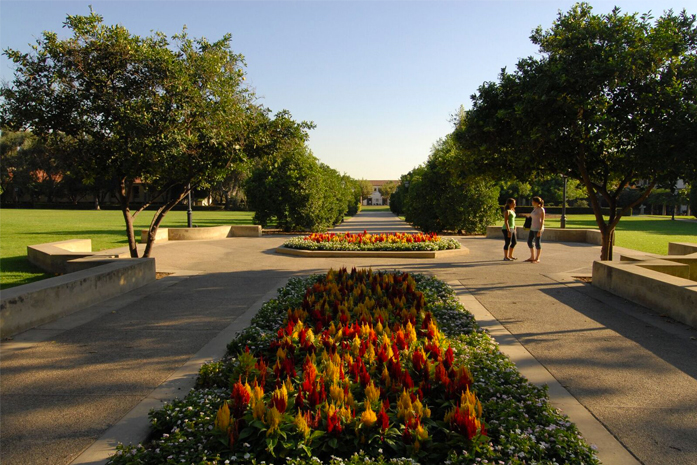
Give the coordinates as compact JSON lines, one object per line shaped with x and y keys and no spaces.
{"x":376,"y":198}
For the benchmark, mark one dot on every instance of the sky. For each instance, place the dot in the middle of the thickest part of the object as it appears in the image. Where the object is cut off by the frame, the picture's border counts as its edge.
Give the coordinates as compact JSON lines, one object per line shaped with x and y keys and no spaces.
{"x":380,"y":79}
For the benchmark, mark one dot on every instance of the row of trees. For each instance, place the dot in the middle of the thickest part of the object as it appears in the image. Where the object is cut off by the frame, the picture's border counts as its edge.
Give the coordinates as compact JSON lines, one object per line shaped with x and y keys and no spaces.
{"x":105,"y":110}
{"x":300,"y":193}
{"x":441,"y":195}
{"x":610,"y":101}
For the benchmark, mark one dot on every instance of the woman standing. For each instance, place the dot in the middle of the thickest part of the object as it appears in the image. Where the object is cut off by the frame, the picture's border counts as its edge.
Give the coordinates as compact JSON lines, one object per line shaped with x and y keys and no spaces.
{"x":508,"y":229}
{"x":536,"y":228}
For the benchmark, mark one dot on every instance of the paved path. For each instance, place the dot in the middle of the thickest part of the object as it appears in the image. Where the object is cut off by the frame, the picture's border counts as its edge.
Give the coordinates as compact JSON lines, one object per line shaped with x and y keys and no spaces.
{"x":373,"y":222}
{"x":65,"y":384}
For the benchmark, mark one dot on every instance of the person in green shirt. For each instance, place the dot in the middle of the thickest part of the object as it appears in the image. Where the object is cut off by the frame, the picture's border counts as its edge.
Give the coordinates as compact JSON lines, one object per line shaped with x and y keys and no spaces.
{"x":508,"y":230}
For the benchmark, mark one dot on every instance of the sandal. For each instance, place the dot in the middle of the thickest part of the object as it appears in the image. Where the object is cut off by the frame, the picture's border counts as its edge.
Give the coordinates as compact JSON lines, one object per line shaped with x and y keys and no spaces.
{"x":506,"y":259}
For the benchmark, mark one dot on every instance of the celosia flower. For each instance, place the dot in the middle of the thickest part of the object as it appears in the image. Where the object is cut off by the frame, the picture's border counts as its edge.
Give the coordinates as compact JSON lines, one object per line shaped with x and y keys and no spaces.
{"x":273,"y":420}
{"x":368,"y":417}
{"x":222,"y":419}
{"x":301,"y":423}
{"x":383,"y":419}
{"x":279,"y":399}
{"x":241,"y":394}
{"x":372,"y":393}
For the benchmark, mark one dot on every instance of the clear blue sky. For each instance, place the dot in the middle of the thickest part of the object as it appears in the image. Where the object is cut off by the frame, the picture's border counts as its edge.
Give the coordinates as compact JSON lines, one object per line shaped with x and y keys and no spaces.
{"x":380,"y":79}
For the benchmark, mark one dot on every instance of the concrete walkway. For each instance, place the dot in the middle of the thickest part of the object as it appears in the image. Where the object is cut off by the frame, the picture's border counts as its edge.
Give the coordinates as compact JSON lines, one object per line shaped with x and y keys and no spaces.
{"x":374,"y":222}
{"x":65,"y":384}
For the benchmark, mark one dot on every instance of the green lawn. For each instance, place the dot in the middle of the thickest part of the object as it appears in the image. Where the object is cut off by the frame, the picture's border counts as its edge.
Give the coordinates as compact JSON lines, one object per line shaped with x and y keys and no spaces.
{"x":106,"y":228}
{"x":647,"y":233}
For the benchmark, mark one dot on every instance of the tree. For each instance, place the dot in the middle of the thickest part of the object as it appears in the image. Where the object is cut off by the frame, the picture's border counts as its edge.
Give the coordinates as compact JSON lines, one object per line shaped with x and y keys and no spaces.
{"x":387,"y":189}
{"x":172,"y":114}
{"x":366,"y":189}
{"x":298,"y":191}
{"x":611,"y":101}
{"x":441,"y":196}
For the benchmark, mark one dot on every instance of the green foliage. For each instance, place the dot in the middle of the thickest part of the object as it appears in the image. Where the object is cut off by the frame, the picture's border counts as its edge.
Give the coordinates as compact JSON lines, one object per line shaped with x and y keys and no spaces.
{"x":297,"y":190}
{"x":522,"y":426}
{"x":366,"y":188}
{"x":611,"y":101}
{"x":441,"y":196}
{"x":387,"y":189}
{"x":170,"y":113}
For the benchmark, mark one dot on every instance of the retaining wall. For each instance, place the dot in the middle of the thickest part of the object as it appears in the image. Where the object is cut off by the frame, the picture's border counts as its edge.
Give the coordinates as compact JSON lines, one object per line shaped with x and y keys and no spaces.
{"x":591,"y":236}
{"x":30,"y":305}
{"x":657,"y":290}
{"x":206,"y":233}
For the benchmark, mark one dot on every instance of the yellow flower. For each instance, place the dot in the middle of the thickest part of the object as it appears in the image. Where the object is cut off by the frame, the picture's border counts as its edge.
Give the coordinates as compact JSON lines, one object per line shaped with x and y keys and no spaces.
{"x":421,"y":433}
{"x":273,"y":419}
{"x":368,"y":418}
{"x":301,"y":424}
{"x":222,"y":419}
{"x":257,"y":403}
{"x":336,"y":392}
{"x":372,"y":393}
{"x":288,"y":384}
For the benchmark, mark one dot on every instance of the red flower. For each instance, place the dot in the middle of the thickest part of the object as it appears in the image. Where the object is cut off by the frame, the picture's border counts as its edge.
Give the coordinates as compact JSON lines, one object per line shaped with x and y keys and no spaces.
{"x":333,"y":424}
{"x":383,"y":419}
{"x":240,"y":399}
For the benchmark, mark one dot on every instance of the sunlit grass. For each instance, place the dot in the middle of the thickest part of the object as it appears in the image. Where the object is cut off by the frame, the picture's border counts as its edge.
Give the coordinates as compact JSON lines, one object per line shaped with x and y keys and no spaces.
{"x":20,"y":228}
{"x":647,"y":233}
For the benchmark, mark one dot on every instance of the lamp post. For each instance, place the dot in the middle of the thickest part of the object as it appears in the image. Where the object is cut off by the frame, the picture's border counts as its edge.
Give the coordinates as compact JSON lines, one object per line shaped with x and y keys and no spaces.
{"x":563,"y":203}
{"x":188,"y":211}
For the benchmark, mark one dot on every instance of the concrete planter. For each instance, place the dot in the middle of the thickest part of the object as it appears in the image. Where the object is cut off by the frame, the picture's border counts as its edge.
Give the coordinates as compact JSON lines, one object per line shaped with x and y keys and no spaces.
{"x":201,"y":234}
{"x":24,"y":307}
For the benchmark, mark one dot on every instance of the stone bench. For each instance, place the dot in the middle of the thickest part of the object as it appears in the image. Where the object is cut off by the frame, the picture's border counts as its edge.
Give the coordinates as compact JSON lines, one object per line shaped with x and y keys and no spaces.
{"x":30,"y":305}
{"x":62,"y":256}
{"x":205,"y":233}
{"x":590,"y":236}
{"x":664,"y":283}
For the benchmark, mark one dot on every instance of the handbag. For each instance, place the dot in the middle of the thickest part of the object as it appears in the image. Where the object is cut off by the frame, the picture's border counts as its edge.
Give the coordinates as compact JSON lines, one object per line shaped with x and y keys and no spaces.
{"x":528,"y":223}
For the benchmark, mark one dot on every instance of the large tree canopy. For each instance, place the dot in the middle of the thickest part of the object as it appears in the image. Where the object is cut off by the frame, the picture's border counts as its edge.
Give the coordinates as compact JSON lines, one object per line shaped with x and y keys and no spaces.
{"x":611,"y":101}
{"x":172,"y":114}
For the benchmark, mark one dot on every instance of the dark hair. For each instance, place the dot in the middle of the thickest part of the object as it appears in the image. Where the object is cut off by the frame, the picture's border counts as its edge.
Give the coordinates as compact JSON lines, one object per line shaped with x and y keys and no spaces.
{"x":539,"y":200}
{"x":509,"y":203}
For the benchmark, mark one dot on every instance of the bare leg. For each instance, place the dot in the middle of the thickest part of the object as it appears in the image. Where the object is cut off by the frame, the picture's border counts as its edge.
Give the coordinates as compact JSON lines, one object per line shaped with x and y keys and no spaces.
{"x":532,"y":256}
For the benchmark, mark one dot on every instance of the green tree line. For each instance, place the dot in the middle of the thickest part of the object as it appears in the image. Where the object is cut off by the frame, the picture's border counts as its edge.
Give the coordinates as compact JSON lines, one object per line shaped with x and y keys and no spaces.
{"x":104,"y":111}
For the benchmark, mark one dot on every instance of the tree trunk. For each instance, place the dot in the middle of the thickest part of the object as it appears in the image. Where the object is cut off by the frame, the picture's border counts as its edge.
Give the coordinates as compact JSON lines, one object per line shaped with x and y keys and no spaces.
{"x":132,"y":246}
{"x":124,"y":194}
{"x":157,"y":220}
{"x":96,"y":202}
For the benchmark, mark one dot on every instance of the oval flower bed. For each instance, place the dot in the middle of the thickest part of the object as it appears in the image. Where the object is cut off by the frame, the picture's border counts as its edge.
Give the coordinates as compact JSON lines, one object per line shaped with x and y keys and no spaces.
{"x":361,"y":366}
{"x":374,"y":242}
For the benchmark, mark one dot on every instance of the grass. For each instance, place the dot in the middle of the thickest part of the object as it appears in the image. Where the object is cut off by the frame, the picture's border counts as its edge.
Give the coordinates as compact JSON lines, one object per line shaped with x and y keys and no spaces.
{"x":647,"y":233}
{"x":376,"y":208}
{"x":20,"y":228}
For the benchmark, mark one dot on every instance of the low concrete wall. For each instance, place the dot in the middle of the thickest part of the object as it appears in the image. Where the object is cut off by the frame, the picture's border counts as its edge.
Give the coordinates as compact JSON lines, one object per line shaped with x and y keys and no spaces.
{"x":372,"y":253}
{"x":55,"y":257}
{"x":689,"y":260}
{"x":30,"y":305}
{"x":206,"y":233}
{"x":591,"y":236}
{"x":665,"y":294}
{"x":681,"y":248}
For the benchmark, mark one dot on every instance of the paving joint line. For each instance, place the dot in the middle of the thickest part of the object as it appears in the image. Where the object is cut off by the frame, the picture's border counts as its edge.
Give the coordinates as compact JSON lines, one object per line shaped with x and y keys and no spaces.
{"x":610,"y":450}
{"x":134,"y":427}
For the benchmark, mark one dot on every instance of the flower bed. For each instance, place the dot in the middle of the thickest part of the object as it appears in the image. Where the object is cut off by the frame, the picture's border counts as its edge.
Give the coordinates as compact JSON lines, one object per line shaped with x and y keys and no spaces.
{"x":374,"y":242}
{"x":360,"y":366}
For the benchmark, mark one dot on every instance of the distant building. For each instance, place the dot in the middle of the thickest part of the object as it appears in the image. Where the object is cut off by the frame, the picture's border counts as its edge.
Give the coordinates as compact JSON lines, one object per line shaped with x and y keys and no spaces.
{"x":375,"y":198}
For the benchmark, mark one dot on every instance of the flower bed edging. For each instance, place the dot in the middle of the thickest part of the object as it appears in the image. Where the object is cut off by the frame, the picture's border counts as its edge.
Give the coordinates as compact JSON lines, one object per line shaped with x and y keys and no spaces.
{"x":522,"y":427}
{"x":370,"y":253}
{"x":365,"y":241}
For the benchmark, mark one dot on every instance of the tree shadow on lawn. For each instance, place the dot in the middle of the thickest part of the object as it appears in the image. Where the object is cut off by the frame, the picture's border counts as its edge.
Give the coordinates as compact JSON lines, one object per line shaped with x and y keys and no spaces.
{"x":17,"y":271}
